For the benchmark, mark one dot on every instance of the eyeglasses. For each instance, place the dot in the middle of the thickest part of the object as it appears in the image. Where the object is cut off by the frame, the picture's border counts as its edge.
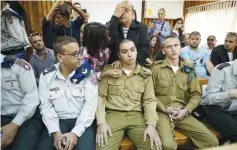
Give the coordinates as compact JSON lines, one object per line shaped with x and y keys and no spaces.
{"x":75,"y":54}
{"x":33,"y":34}
{"x":160,"y":14}
{"x":210,"y":39}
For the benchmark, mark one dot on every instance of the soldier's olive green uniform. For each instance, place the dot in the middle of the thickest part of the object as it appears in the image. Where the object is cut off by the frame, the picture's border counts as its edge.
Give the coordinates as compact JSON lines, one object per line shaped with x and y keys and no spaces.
{"x":121,"y":105}
{"x":181,"y":90}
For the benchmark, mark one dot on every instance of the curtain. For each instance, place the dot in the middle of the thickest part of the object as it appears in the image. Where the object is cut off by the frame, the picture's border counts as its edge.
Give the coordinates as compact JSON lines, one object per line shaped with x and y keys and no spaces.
{"x":212,"y":19}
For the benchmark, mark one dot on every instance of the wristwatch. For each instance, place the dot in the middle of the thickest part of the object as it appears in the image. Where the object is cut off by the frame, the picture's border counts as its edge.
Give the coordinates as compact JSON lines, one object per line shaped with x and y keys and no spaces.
{"x":186,"y":111}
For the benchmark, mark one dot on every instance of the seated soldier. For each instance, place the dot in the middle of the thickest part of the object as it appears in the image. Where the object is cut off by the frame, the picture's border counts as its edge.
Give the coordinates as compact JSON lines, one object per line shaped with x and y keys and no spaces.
{"x":19,"y":100}
{"x":220,"y":100}
{"x":121,"y":101}
{"x":178,"y":92}
{"x":69,"y":94}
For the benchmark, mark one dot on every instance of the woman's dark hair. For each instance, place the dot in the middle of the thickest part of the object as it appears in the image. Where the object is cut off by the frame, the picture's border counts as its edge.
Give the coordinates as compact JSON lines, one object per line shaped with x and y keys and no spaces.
{"x":64,"y":11}
{"x":135,"y":13}
{"x":95,"y":38}
{"x":176,"y":20}
{"x":157,"y":47}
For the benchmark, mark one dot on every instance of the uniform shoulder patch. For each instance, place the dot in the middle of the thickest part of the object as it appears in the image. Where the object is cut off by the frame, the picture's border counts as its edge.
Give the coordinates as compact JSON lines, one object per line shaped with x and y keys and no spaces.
{"x":223,"y":65}
{"x":156,"y":63}
{"x":144,"y":72}
{"x":188,"y":67}
{"x":50,"y":69}
{"x":24,"y":64}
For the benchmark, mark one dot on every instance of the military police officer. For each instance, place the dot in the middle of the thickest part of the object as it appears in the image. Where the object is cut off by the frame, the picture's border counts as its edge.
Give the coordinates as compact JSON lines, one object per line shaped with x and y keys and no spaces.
{"x":220,"y":100}
{"x":121,"y":101}
{"x":19,"y":98}
{"x":68,"y":94}
{"x":178,"y":92}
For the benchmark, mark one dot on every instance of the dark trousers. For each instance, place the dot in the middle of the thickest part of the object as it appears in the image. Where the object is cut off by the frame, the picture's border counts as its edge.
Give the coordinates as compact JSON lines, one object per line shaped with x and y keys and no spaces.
{"x":28,"y":133}
{"x":85,"y":142}
{"x":223,"y":121}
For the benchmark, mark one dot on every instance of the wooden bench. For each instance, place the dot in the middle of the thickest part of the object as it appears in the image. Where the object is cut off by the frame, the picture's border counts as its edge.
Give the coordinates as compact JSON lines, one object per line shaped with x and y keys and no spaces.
{"x":180,"y":138}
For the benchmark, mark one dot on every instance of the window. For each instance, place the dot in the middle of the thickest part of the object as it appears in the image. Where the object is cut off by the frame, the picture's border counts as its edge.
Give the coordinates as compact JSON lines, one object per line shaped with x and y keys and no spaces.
{"x":212,"y":19}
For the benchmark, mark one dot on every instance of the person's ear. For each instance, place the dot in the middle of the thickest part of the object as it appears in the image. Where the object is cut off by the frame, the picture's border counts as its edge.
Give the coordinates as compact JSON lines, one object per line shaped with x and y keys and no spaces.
{"x":162,"y":50}
{"x":60,"y":58}
{"x":118,"y":54}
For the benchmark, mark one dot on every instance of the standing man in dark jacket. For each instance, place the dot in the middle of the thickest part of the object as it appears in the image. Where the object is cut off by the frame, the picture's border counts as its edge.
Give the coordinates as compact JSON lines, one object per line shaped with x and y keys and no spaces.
{"x":122,"y":26}
{"x":226,"y":52}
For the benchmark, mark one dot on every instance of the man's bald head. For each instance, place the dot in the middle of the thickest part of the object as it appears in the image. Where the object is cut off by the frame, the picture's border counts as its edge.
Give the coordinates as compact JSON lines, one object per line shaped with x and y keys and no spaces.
{"x":128,"y":4}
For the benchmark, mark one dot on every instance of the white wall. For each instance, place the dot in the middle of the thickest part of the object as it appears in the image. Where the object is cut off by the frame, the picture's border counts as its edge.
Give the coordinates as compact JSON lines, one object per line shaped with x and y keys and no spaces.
{"x":173,"y":8}
{"x":102,"y":10}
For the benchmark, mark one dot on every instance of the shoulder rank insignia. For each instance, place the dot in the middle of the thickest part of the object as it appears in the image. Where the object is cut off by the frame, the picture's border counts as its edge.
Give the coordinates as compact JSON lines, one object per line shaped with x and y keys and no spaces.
{"x":50,"y":69}
{"x":156,"y":62}
{"x":23,"y":64}
{"x":82,"y":72}
{"x":223,"y":65}
{"x":8,"y":61}
{"x":144,"y":72}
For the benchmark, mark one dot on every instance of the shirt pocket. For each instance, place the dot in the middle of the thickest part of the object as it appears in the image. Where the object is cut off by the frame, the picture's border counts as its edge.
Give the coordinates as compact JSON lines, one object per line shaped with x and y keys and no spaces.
{"x":11,"y":82}
{"x":78,"y":93}
{"x":181,"y":90}
{"x":137,"y":92}
{"x":162,"y":86}
{"x":56,"y":99}
{"x":114,"y":87}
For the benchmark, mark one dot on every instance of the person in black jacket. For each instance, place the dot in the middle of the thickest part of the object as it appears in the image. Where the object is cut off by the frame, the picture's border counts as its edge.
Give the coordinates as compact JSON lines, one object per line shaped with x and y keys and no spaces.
{"x":122,"y":26}
{"x":226,"y":52}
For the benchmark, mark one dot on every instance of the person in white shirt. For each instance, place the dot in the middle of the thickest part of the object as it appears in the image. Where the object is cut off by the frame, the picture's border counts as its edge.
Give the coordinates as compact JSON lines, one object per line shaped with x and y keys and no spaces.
{"x":211,"y":43}
{"x":19,"y":100}
{"x":68,"y":94}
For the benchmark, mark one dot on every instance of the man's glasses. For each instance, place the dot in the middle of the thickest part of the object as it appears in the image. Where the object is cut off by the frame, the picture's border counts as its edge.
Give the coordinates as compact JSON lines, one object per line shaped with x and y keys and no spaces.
{"x":75,"y":54}
{"x":33,"y":34}
{"x":210,"y":39}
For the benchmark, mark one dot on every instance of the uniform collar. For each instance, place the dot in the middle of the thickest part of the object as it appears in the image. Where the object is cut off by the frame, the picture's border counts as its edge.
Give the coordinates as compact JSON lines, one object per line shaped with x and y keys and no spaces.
{"x":59,"y":75}
{"x":165,"y":64}
{"x":234,"y":67}
{"x":136,"y":70}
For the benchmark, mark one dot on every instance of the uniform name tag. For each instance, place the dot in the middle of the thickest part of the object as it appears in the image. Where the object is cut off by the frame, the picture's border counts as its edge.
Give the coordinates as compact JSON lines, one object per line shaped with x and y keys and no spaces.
{"x":55,"y":89}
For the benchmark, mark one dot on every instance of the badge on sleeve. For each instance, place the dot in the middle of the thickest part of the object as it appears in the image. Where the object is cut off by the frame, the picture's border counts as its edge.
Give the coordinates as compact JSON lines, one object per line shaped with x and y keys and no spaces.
{"x":23,"y":64}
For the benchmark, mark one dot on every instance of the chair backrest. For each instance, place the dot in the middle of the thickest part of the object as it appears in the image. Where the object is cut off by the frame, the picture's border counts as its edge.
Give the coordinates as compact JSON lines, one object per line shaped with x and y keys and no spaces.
{"x":203,"y":83}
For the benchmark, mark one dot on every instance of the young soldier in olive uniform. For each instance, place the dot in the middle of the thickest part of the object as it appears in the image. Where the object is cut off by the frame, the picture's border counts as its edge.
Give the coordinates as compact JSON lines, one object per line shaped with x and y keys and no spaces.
{"x":178,"y":92}
{"x":121,"y":101}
